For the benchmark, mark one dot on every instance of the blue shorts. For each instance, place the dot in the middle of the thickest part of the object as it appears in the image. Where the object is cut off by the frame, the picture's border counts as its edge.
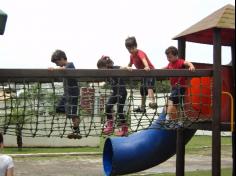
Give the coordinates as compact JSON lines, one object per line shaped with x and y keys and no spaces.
{"x":68,"y":104}
{"x":177,"y":95}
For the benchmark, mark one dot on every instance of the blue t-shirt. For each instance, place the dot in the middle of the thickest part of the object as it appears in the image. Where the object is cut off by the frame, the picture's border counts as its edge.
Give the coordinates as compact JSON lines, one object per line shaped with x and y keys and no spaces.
{"x":70,"y":85}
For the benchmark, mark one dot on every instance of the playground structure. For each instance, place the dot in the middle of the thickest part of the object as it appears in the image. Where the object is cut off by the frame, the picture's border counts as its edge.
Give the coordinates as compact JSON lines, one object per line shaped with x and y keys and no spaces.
{"x":26,"y":106}
{"x":151,"y":147}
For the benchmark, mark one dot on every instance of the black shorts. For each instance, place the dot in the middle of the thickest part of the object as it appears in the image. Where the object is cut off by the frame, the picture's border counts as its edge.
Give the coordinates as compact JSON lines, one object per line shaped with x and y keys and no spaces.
{"x":147,"y":83}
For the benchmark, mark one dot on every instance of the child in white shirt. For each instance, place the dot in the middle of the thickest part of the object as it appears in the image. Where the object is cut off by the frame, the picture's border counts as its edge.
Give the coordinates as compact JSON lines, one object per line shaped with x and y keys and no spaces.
{"x":6,"y":162}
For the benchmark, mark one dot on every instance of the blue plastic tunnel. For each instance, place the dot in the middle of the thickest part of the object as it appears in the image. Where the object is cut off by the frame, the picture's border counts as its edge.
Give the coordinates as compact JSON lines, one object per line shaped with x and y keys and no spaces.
{"x":141,"y":150}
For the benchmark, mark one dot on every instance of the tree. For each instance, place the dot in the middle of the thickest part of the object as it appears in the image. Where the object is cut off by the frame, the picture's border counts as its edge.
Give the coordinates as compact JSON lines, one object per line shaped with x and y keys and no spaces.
{"x":23,"y":108}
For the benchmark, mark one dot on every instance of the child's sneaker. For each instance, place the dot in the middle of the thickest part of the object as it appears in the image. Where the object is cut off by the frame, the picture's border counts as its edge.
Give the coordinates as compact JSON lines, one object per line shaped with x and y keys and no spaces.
{"x":123,"y":131}
{"x":109,"y":127}
{"x":153,"y":105}
{"x":75,"y":134}
{"x":140,"y":110}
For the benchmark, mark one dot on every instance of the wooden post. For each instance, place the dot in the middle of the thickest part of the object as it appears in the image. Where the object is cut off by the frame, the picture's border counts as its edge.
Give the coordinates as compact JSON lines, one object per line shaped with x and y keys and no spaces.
{"x":233,"y":133}
{"x":181,"y":48}
{"x":216,"y":140}
{"x":180,"y":147}
{"x":180,"y":152}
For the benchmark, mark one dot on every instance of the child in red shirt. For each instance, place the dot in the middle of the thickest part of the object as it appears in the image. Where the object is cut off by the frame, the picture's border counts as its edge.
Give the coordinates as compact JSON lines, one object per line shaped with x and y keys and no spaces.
{"x":177,"y":83}
{"x":139,"y":59}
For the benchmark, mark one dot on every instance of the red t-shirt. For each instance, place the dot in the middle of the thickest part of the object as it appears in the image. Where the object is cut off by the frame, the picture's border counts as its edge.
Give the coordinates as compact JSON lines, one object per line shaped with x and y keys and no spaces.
{"x":136,"y":59}
{"x":178,"y":64}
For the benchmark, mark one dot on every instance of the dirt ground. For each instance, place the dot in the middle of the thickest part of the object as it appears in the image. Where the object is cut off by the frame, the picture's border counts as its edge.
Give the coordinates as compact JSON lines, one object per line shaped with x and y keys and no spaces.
{"x":91,"y":165}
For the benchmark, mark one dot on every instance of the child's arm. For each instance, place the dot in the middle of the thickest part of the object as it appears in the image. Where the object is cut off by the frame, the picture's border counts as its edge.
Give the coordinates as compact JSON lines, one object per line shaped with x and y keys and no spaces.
{"x":166,"y":67}
{"x":126,"y":68}
{"x":57,"y":68}
{"x":10,"y":172}
{"x":190,"y":65}
{"x":129,"y":67}
{"x":146,"y":66}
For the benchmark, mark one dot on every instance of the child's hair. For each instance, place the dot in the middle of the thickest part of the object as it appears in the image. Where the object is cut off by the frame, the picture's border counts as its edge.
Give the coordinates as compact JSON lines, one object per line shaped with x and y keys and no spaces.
{"x":130,"y":42}
{"x":105,"y":62}
{"x":57,"y":55}
{"x":1,"y":138}
{"x":172,"y":50}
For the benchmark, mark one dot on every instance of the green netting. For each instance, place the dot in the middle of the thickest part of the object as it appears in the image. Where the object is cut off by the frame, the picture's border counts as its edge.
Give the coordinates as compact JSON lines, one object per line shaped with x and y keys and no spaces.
{"x":28,"y":108}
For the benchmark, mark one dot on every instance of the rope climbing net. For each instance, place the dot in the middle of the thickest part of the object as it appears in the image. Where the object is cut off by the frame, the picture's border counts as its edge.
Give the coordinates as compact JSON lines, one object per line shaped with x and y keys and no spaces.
{"x":28,"y":107}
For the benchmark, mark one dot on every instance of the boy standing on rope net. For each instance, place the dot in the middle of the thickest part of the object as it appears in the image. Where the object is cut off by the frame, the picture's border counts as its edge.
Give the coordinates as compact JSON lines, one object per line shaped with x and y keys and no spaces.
{"x":69,"y":101}
{"x":139,"y":59}
{"x":6,"y":162}
{"x":177,"y":83}
{"x":118,"y":96}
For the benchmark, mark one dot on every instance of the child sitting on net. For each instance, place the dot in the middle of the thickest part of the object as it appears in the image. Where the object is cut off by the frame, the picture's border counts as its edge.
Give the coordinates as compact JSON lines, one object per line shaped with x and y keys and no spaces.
{"x":118,"y":96}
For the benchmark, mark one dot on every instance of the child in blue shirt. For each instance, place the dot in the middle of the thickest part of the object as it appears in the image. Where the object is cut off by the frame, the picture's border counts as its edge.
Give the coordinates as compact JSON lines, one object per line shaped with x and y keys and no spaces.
{"x":69,"y":101}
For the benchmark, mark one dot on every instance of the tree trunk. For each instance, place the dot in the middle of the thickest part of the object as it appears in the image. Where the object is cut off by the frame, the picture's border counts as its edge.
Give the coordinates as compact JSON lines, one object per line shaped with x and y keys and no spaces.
{"x":19,"y":139}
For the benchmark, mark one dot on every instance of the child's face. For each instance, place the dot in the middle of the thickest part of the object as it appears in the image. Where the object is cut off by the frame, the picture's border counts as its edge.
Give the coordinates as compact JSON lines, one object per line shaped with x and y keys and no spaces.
{"x":132,"y":50}
{"x":171,"y":57}
{"x":60,"y":62}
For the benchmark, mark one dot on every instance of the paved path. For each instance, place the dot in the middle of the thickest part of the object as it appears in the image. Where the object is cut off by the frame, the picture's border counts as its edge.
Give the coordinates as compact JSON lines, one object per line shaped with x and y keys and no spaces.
{"x":91,"y":165}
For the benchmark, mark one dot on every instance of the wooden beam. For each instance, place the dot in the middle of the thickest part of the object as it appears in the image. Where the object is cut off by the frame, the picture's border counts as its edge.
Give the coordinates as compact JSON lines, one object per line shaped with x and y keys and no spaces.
{"x":216,"y":138}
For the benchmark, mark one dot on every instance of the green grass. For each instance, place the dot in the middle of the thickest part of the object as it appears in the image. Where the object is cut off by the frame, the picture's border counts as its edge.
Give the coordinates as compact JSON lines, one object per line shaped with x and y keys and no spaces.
{"x":197,"y":145}
{"x":224,"y":172}
{"x":29,"y":150}
{"x":202,"y":145}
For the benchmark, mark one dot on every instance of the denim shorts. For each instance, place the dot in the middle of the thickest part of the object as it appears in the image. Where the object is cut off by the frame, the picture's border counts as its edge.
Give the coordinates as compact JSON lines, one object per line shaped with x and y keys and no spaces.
{"x":68,"y":105}
{"x":177,"y":95}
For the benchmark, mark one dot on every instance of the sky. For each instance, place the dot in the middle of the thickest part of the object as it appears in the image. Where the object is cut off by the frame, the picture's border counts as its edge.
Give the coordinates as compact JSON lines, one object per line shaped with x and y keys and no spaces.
{"x":88,"y":29}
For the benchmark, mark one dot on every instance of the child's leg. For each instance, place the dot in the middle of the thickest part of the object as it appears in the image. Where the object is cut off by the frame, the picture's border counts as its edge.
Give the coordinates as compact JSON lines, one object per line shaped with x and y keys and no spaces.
{"x":151,"y":95}
{"x":152,"y":104}
{"x":71,"y":111}
{"x":109,"y":122}
{"x":120,"y":108}
{"x":174,"y":100}
{"x":76,"y":122}
{"x":60,"y":108}
{"x":151,"y":89}
{"x":171,"y":110}
{"x":123,"y":126}
{"x":143,"y":102}
{"x":143,"y":93}
{"x":109,"y":106}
